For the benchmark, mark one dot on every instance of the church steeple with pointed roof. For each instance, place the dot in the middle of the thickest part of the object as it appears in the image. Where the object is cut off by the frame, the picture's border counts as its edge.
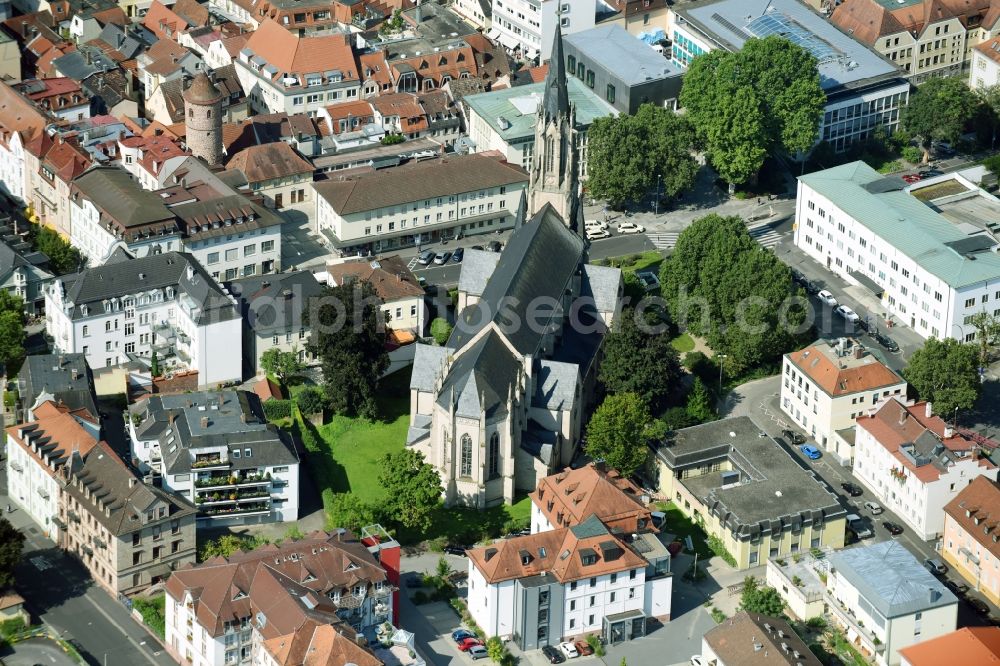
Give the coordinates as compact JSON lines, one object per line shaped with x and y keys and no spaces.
{"x":553,"y":178}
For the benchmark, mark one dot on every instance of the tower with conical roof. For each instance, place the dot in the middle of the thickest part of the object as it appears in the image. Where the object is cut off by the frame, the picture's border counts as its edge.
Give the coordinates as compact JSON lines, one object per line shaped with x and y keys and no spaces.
{"x":203,"y":119}
{"x":553,"y":178}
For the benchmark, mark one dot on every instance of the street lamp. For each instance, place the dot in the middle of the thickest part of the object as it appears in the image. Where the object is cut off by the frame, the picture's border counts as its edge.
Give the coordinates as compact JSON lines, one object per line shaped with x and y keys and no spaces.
{"x":656,"y":204}
{"x":720,"y":357}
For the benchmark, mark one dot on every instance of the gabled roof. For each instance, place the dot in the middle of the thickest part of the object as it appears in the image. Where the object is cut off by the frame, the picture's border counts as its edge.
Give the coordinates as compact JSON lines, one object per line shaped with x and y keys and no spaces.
{"x":968,"y":645}
{"x":976,"y":509}
{"x":390,"y":276}
{"x":276,"y":303}
{"x":592,"y":490}
{"x":116,"y":195}
{"x":269,"y":161}
{"x":56,"y":434}
{"x":865,"y":20}
{"x":839,"y":376}
{"x":736,"y":642}
{"x":299,"y":56}
{"x":315,"y":644}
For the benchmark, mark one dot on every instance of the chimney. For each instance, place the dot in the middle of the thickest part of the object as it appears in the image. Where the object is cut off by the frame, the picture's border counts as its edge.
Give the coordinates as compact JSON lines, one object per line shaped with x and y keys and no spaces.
{"x":86,"y":55}
{"x":24,"y":28}
{"x":928,"y":409}
{"x":131,"y":482}
{"x":949,"y":432}
{"x":75,"y":374}
{"x":204,"y":422}
{"x":62,"y":360}
{"x":902,"y":415}
{"x":859,"y":351}
{"x":170,"y":418}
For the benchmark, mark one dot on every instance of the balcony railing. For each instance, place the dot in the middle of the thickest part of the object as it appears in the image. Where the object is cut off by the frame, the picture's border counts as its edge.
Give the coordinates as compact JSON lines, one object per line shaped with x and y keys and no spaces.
{"x":59,"y":522}
{"x":240,"y":510}
{"x":16,"y":466}
{"x":214,"y":482}
{"x":74,"y":516}
{"x":209,"y":462}
{"x":100,"y":543}
{"x":43,"y":493}
{"x":350,"y":601}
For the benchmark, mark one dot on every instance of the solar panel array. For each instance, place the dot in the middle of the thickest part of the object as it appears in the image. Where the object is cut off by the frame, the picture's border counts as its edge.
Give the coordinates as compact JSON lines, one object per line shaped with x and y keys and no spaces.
{"x":774,"y":23}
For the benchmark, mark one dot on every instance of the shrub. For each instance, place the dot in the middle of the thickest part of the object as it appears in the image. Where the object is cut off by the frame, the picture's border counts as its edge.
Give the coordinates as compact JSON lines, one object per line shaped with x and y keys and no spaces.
{"x":817,"y":622}
{"x":913,"y":154}
{"x":440,"y":330}
{"x":153,"y":614}
{"x":12,"y":627}
{"x":392,"y":139}
{"x":992,"y":163}
{"x":310,"y":401}
{"x":275,"y":410}
{"x":716,"y":545}
{"x":595,"y":644}
{"x":718,"y":615}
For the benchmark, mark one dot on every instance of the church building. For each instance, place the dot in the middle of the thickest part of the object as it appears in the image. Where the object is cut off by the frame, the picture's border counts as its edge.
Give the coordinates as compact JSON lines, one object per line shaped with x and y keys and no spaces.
{"x":500,"y":406}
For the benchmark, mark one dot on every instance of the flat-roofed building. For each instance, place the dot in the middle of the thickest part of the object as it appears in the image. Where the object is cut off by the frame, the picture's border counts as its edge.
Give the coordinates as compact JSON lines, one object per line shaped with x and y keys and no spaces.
{"x":827,"y":385}
{"x":737,"y":482}
{"x":864,"y":91}
{"x":926,"y":249}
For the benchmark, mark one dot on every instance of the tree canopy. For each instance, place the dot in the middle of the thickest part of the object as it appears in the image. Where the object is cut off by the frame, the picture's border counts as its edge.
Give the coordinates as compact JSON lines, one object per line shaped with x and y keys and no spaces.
{"x":938,"y":110}
{"x":310,"y":400}
{"x":227,"y":544}
{"x":946,"y":372}
{"x":281,"y":364}
{"x":627,"y":154}
{"x":440,"y":330}
{"x":413,"y":489}
{"x":699,"y":403}
{"x":63,"y":257}
{"x":640,"y":362}
{"x":12,"y":333}
{"x":11,"y":542}
{"x":757,"y":598}
{"x":722,"y":285}
{"x":746,"y":104}
{"x":349,"y":339}
{"x":619,"y":431}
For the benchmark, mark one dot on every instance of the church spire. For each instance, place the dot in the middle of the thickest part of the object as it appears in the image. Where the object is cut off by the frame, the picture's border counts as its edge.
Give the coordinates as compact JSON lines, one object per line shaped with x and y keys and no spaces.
{"x":556,"y":100}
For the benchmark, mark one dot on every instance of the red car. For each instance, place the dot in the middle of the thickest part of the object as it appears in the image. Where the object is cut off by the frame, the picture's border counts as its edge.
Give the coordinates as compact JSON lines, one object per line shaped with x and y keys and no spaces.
{"x":467,"y":643}
{"x":583,"y":647}
{"x":911,"y":178}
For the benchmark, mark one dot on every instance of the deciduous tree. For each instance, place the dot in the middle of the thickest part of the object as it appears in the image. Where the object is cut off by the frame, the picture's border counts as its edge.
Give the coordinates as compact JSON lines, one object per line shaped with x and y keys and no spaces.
{"x":639,"y":361}
{"x":11,"y":542}
{"x":620,"y":430}
{"x":12,"y":333}
{"x":348,"y":337}
{"x":348,"y":511}
{"x":441,"y":330}
{"x":748,"y":103}
{"x":946,"y":372}
{"x":757,"y":598}
{"x":310,"y":400}
{"x":63,"y":257}
{"x":281,"y":364}
{"x":628,"y":155}
{"x":412,"y":488}
{"x":938,"y":110}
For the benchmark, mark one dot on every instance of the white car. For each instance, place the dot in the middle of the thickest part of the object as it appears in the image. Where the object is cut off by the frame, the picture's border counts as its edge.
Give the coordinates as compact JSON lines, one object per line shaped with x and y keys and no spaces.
{"x":827,"y":298}
{"x":847,"y":313}
{"x":597,"y":234}
{"x":874,"y":508}
{"x":595,"y":224}
{"x":698,"y":660}
{"x":630,"y":228}
{"x":569,"y":650}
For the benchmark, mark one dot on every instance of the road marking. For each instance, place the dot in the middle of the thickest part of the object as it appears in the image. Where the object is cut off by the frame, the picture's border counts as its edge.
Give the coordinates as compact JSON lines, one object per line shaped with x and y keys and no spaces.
{"x":765,"y":235}
{"x":663,"y":240}
{"x":118,"y":626}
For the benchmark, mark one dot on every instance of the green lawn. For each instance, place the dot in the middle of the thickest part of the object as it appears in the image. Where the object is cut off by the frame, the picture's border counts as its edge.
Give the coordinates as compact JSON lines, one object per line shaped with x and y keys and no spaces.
{"x":683,"y":343}
{"x":635,"y":262}
{"x":678,"y":524}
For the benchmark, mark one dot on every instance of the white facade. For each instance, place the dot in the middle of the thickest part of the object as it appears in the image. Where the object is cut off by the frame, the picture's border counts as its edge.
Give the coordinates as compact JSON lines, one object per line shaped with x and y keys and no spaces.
{"x":912,"y":294}
{"x":528,"y":25}
{"x":97,"y":243}
{"x":919,"y":503}
{"x":236,"y":255}
{"x":106,"y":338}
{"x":188,"y":639}
{"x":984,"y":71}
{"x":33,"y":488}
{"x":12,"y":173}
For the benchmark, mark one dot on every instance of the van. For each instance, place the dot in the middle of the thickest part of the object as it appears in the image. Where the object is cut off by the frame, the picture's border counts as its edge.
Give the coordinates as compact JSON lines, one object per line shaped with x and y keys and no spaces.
{"x":936,"y":566}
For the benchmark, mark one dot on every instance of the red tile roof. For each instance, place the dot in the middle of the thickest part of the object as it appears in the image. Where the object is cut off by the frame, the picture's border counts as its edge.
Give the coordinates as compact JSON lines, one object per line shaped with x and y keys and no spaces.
{"x":573,"y":495}
{"x":981,"y":501}
{"x":838,"y":376}
{"x":299,"y":56}
{"x":968,"y":645}
{"x":61,"y":430}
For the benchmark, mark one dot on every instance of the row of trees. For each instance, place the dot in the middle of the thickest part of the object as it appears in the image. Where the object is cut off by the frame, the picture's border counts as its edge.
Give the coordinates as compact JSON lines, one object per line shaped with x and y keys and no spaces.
{"x":12,"y":333}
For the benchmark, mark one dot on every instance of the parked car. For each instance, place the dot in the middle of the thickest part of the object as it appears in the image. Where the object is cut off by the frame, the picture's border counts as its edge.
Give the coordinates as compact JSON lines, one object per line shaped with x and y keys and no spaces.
{"x":930,"y":173}
{"x":648,"y":280}
{"x":478,"y":652}
{"x":810,"y":451}
{"x":936,"y":566}
{"x":458,"y":255}
{"x":461,"y":634}
{"x":874,"y":508}
{"x":597,"y":234}
{"x":467,"y":643}
{"x":847,"y":313}
{"x":859,"y":526}
{"x":583,"y":647}
{"x":852,"y":489}
{"x":793,"y":437}
{"x":895,"y":529}
{"x":476,"y":247}
{"x":827,"y":298}
{"x":911,"y":178}
{"x":943,"y":148}
{"x":494,"y":246}
{"x":426,"y":257}
{"x":961,"y":589}
{"x":979,"y":606}
{"x":553,"y":655}
{"x":595,"y":224}
{"x":886,"y":342}
{"x":630,"y":228}
{"x":454,"y":549}
{"x":442,"y":258}
{"x":569,"y":650}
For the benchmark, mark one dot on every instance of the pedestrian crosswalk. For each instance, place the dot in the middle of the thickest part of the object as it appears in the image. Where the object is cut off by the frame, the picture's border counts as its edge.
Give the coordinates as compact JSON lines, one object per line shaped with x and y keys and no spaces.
{"x":765,"y":235}
{"x":663,"y":240}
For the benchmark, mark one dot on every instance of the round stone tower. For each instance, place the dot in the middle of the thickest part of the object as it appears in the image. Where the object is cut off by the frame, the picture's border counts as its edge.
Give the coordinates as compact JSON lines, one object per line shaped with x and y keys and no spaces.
{"x":203,"y":118}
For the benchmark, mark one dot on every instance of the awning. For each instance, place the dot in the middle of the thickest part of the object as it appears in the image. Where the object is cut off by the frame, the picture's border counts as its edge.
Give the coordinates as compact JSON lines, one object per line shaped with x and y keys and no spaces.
{"x":532,"y":54}
{"x":493,"y":33}
{"x":627,"y":615}
{"x":508,"y":41}
{"x":402,"y":337}
{"x":868,"y":283}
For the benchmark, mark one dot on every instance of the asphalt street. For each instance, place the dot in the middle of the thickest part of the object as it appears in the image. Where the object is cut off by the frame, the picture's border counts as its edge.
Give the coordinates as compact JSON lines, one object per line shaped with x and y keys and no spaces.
{"x":36,"y":652}
{"x":60,"y":593}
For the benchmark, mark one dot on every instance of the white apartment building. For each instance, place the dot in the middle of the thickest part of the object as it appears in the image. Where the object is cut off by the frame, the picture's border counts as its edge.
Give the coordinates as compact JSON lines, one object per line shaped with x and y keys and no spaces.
{"x":934,"y":268}
{"x":383,"y":210}
{"x":887,"y":599}
{"x":827,"y":385}
{"x":984,"y":71}
{"x":915,"y":464}
{"x":280,"y":71}
{"x":128,"y":309}
{"x":525,"y":27}
{"x":216,"y":449}
{"x":36,"y":452}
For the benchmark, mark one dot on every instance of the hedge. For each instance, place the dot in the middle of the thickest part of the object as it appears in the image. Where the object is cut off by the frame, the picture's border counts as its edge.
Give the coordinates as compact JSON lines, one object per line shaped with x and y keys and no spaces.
{"x":275,"y":410}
